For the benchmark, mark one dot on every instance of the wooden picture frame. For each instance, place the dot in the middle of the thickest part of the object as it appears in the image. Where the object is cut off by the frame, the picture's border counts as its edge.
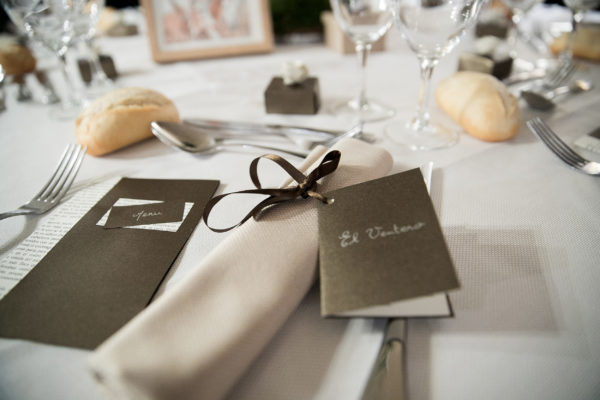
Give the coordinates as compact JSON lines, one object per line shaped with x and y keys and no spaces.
{"x":194,"y":29}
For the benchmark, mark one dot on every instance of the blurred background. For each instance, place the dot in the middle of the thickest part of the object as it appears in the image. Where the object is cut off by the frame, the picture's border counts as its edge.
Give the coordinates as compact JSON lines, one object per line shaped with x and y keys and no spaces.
{"x":288,"y":16}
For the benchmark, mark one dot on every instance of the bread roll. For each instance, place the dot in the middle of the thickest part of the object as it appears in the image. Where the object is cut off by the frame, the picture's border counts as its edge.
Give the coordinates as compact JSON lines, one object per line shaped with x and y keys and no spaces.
{"x":481,"y":104}
{"x":15,"y":58}
{"x":120,"y":118}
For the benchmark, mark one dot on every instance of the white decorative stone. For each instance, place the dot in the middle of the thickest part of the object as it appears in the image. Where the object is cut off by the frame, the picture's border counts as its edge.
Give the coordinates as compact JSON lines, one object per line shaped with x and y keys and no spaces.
{"x":294,"y":72}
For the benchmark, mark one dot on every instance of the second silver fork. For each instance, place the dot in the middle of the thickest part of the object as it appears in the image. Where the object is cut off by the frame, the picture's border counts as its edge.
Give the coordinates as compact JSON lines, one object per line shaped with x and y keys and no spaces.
{"x":561,"y":149}
{"x":549,"y":79}
{"x":559,"y":76}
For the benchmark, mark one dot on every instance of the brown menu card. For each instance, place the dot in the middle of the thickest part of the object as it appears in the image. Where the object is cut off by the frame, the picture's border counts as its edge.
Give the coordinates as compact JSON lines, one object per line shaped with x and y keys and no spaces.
{"x":94,"y":280}
{"x":382,"y":252}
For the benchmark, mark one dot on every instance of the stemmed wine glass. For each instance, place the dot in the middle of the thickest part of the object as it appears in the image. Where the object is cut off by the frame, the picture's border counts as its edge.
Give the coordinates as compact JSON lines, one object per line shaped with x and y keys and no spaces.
{"x":99,"y":82}
{"x":518,"y":9}
{"x":364,"y":21}
{"x":56,"y":24}
{"x":578,"y":9}
{"x":432,"y":28}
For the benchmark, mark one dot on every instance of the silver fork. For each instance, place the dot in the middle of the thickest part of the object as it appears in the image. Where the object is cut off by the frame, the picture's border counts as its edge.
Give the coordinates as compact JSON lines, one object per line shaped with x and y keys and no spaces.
{"x":558,"y":76}
{"x":561,"y":149}
{"x":549,"y":80}
{"x":56,"y":187}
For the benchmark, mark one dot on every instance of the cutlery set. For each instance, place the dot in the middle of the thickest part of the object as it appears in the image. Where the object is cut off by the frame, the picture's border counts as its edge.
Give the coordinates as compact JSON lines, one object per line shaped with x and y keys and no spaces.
{"x":195,"y":136}
{"x":544,"y":100}
{"x":542,"y":97}
{"x":194,"y":140}
{"x":245,"y":128}
{"x":550,"y":84}
{"x":208,"y":136}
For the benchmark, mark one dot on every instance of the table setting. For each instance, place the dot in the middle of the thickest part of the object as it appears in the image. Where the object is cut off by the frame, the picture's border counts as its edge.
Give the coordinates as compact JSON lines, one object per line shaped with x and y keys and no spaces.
{"x":239,"y":229}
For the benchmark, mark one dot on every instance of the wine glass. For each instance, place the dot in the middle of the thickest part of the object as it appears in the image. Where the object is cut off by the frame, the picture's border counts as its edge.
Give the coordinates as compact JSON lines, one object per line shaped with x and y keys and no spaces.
{"x":518,"y":9}
{"x":99,"y":82}
{"x":364,"y":21}
{"x":56,"y":24}
{"x":432,"y":28}
{"x":578,"y":9}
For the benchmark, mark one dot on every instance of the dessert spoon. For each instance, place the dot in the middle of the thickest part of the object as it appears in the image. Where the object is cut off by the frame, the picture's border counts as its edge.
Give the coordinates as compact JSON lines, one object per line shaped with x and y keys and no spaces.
{"x":544,"y":101}
{"x":197,"y":141}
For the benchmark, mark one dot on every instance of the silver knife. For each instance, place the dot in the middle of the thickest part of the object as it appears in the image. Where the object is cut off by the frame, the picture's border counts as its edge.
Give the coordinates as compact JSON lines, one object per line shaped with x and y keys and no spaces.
{"x":388,"y":376}
{"x":386,"y":381}
{"x":252,"y":127}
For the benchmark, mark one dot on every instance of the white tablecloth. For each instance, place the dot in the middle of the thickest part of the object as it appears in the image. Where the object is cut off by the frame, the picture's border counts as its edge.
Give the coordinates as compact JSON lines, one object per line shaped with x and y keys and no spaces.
{"x":522,"y":228}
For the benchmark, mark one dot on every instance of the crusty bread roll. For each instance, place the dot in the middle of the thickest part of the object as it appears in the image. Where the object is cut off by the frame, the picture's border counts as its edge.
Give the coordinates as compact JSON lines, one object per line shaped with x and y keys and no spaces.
{"x":15,"y":58}
{"x":120,"y":118}
{"x":481,"y":104}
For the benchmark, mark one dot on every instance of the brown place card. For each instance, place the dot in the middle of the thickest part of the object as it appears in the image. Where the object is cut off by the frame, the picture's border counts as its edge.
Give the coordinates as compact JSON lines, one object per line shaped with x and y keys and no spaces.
{"x":382,"y":252}
{"x":95,"y":279}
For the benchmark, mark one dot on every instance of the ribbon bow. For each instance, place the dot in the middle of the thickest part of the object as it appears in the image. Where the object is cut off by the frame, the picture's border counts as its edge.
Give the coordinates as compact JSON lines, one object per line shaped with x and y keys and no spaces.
{"x":307,"y":185}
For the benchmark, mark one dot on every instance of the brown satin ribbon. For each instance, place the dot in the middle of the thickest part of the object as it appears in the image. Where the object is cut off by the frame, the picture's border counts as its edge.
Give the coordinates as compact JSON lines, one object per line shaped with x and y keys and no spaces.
{"x":306,"y":186}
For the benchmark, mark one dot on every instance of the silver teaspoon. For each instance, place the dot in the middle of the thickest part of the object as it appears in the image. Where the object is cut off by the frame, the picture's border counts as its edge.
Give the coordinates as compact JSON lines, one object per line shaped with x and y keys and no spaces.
{"x":544,"y":101}
{"x":196,"y":141}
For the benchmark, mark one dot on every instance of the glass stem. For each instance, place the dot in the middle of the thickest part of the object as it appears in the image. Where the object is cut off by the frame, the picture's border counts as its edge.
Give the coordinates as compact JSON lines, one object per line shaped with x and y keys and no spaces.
{"x":98,"y":76}
{"x":362,"y":51}
{"x":422,"y":118}
{"x":69,"y":100}
{"x":576,"y":18}
{"x":517,"y":16}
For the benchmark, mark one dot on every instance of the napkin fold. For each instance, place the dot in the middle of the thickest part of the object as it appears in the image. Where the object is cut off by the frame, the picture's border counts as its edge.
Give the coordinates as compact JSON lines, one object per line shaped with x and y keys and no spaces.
{"x":197,"y":339}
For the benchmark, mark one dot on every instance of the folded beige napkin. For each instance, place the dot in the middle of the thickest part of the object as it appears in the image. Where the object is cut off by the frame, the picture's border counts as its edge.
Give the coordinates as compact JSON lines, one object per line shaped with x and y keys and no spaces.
{"x":196,"y":340}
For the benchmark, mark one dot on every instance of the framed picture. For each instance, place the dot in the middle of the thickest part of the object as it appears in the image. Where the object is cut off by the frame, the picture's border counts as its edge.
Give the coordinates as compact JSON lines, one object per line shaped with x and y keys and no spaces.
{"x":192,"y":29}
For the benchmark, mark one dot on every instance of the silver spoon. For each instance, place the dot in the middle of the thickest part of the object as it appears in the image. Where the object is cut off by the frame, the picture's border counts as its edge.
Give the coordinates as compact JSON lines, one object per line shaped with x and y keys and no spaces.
{"x":196,"y":141}
{"x":544,"y":101}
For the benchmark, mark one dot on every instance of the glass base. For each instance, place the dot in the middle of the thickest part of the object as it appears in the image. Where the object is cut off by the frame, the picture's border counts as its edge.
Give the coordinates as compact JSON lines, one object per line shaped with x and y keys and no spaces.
{"x":66,"y":111}
{"x":371,"y":111}
{"x":99,"y":86}
{"x":421,"y":137}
